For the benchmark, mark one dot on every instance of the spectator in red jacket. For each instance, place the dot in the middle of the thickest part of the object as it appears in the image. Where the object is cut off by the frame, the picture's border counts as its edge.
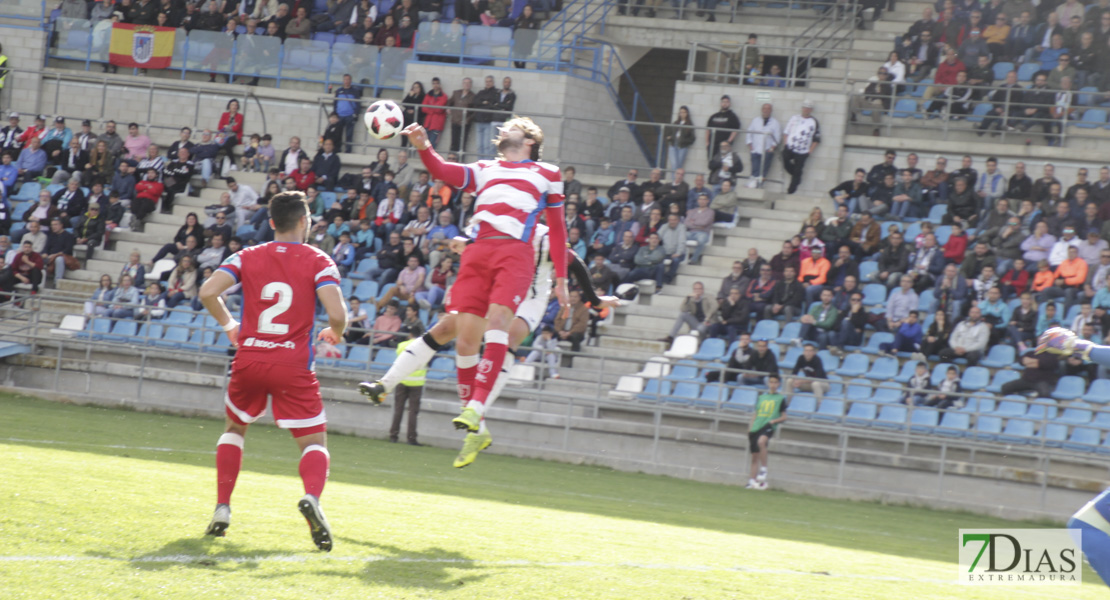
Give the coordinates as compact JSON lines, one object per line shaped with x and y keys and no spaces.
{"x":435,"y":119}
{"x":28,"y":266}
{"x":147,"y":194}
{"x":304,"y":176}
{"x":956,"y":246}
{"x":231,"y":128}
{"x":946,"y":74}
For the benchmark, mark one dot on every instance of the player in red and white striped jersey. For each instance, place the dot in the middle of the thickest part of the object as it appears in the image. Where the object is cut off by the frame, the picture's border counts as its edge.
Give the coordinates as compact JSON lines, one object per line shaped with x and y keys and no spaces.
{"x":497,"y":269}
{"x":274,"y":364}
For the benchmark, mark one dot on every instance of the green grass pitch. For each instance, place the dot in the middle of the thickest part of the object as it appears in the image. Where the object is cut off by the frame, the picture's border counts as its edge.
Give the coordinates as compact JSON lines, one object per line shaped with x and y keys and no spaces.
{"x":111,"y":504}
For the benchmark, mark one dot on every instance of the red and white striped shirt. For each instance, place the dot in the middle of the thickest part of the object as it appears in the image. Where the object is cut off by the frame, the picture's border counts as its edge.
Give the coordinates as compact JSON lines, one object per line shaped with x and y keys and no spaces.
{"x":511,"y":195}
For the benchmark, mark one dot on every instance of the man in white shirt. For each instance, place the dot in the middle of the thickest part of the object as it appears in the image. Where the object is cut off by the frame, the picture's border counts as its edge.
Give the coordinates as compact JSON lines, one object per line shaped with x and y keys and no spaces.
{"x":1059,"y":252}
{"x":764,"y":135}
{"x":801,"y":137}
{"x":244,"y":199}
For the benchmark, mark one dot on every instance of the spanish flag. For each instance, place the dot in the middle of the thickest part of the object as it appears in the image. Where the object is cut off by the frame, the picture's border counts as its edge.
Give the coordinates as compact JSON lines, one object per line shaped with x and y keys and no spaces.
{"x":141,"y":46}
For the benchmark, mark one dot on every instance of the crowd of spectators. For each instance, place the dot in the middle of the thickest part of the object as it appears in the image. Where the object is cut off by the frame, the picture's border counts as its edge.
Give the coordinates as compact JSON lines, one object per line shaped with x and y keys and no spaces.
{"x":949,"y":262}
{"x":1061,"y":47}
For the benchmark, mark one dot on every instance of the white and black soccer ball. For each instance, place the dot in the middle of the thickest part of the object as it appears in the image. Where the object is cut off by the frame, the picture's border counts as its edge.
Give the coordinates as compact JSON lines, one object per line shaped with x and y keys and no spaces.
{"x":384,"y":119}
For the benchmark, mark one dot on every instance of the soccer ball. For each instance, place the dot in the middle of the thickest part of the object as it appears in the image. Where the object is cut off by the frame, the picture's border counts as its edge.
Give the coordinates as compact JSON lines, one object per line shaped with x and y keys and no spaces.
{"x":384,"y":119}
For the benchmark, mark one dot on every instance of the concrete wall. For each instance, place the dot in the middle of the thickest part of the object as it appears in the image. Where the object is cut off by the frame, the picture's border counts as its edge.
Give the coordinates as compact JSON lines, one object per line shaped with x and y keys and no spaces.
{"x":26,"y":49}
{"x":554,"y":101}
{"x":823,"y":168}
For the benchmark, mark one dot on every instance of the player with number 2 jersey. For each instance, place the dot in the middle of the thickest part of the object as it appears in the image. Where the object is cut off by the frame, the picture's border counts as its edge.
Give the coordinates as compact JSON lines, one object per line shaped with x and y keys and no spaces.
{"x":274,"y":366}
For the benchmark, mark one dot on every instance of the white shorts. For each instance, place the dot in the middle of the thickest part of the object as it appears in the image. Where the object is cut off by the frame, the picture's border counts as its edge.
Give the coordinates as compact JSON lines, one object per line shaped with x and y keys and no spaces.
{"x":534,"y":307}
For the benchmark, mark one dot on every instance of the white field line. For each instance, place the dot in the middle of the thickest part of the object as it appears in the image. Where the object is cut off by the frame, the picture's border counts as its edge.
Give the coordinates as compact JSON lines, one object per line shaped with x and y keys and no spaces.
{"x":562,"y":492}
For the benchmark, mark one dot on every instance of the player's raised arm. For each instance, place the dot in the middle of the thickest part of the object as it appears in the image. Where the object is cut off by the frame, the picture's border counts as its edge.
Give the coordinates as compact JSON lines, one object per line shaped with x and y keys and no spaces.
{"x":557,"y":233}
{"x":212,"y":299}
{"x":453,"y":174}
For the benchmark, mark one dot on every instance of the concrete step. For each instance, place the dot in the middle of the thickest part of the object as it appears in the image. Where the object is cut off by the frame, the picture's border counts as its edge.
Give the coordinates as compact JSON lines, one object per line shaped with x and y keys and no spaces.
{"x":883,"y":46}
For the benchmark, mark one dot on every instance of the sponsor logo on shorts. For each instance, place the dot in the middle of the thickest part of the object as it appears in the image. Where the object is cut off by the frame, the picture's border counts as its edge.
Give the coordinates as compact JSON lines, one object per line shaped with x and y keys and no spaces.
{"x":267,"y":345}
{"x":516,"y":299}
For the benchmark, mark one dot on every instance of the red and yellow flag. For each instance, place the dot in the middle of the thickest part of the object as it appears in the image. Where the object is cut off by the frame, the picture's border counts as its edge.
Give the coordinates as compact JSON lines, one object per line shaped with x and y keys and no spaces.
{"x":141,"y":46}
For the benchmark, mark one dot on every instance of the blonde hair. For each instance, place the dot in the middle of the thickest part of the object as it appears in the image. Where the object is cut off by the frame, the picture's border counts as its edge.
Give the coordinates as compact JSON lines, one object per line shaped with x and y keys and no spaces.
{"x":531,"y":131}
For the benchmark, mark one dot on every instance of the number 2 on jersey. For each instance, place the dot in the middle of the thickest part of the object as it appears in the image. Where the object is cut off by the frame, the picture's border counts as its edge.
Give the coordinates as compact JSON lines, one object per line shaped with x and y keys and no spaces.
{"x":284,"y":295}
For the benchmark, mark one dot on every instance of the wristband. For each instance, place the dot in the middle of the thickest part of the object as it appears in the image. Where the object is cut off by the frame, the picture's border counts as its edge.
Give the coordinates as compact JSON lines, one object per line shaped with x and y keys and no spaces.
{"x":232,"y":324}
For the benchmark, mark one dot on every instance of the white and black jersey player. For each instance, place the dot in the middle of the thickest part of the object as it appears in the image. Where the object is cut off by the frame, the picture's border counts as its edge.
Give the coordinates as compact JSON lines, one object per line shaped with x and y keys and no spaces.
{"x":528,"y":316}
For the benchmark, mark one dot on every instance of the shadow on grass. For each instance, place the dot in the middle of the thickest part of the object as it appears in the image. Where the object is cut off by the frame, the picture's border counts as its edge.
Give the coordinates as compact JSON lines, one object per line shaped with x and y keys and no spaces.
{"x":203,"y":552}
{"x":869,"y":527}
{"x":431,"y":568}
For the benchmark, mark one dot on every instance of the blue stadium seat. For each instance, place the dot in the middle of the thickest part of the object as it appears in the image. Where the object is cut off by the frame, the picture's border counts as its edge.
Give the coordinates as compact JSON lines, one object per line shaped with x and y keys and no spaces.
{"x":1026,"y":71}
{"x":888,"y":393}
{"x":939,"y":373}
{"x":175,"y":337}
{"x":954,"y":423}
{"x":1001,"y":69}
{"x":830,"y":409}
{"x":220,"y":345}
{"x":713,"y":394}
{"x":859,"y":389}
{"x":1054,"y":434}
{"x":1000,"y":356}
{"x":29,"y":191}
{"x":925,"y":302}
{"x":1042,"y":409}
{"x":854,"y":365}
{"x":884,"y":368}
{"x":684,"y":370}
{"x":979,"y":112}
{"x":1000,"y":378}
{"x":358,"y":357}
{"x":123,"y":331}
{"x":346,"y":287}
{"x":1069,"y":387}
{"x":987,"y":427}
{"x":866,"y":268}
{"x":1087,"y":96}
{"x":943,"y":232}
{"x":655,"y":389}
{"x":684,"y":393}
{"x":744,"y":398}
{"x":1084,"y":439}
{"x":924,"y":420}
{"x":366,"y":290}
{"x":766,"y":329}
{"x":1010,"y":408}
{"x":1099,"y":392}
{"x":790,"y":332}
{"x":879,"y":337}
{"x":787,"y":362}
{"x":909,"y":369}
{"x":830,"y":361}
{"x":1017,"y":431}
{"x":385,"y":357}
{"x":178,"y":317}
{"x":150,"y":332}
{"x":441,"y":368}
{"x":97,"y":328}
{"x":802,"y":405}
{"x":874,"y":294}
{"x":711,"y":349}
{"x":936,"y":213}
{"x":891,"y":416}
{"x":1076,"y":413}
{"x":1092,"y":118}
{"x":975,"y":379}
{"x":861,"y":413}
{"x":905,"y":107}
{"x":912,"y":231}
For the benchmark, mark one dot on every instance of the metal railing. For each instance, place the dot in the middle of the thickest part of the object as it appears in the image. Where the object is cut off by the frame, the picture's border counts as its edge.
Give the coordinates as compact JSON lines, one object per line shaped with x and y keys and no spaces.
{"x":942,"y":116}
{"x":793,"y":13}
{"x":1039,"y":439}
{"x":724,"y":63}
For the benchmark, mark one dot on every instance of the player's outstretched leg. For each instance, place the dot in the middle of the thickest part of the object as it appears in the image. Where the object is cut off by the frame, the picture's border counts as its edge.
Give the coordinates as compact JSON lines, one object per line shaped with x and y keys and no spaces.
{"x":475,"y":442}
{"x":1091,"y":520}
{"x":415,"y":357}
{"x":314,"y":473}
{"x":229,"y":458}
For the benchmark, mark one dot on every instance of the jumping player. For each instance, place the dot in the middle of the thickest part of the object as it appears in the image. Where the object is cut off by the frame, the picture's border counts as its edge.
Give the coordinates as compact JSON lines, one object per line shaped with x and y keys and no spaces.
{"x":281,"y":282}
{"x":498,"y":266}
{"x":770,"y":410}
{"x":1093,"y":520}
{"x":528,"y":316}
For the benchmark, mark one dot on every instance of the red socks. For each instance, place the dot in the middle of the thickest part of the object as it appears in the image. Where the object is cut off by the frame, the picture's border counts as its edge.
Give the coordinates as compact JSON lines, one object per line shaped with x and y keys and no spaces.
{"x":497,"y":345}
{"x":467,"y":367}
{"x":314,"y":469}
{"x":229,"y":456}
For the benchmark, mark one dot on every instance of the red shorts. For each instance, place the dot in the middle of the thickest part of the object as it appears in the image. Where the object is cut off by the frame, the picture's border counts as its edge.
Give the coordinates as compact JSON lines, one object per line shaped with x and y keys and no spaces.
{"x":292,"y":392}
{"x":493,"y":272}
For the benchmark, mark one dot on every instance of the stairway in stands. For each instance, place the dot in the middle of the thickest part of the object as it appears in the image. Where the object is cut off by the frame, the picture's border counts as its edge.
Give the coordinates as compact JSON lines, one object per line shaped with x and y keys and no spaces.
{"x":871,"y":47}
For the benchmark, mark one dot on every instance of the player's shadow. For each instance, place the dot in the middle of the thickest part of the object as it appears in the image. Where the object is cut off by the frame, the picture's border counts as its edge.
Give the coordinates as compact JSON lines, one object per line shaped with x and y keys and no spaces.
{"x":202,"y":552}
{"x":432,"y":568}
